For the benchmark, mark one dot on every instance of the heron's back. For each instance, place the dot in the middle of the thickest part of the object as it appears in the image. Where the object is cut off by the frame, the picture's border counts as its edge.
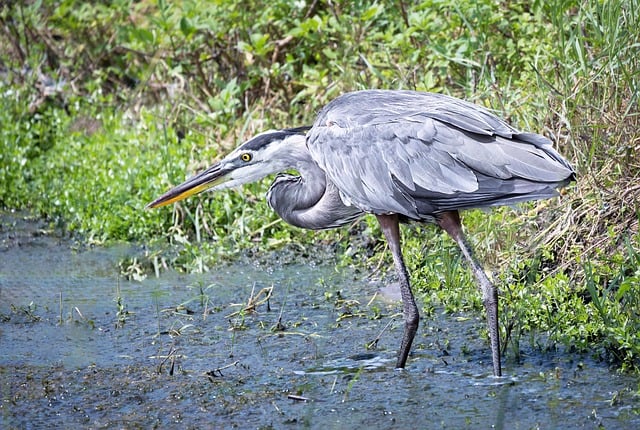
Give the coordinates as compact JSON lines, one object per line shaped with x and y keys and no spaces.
{"x":417,"y":154}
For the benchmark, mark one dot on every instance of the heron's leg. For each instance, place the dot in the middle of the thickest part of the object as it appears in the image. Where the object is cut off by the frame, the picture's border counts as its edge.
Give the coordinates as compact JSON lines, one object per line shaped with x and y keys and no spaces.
{"x":450,"y":222}
{"x":391,"y":229}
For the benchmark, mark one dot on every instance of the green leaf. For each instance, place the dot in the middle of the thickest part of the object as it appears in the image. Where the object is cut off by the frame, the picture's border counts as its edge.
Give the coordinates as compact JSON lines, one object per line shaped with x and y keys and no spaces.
{"x":186,"y":27}
{"x":371,"y":13}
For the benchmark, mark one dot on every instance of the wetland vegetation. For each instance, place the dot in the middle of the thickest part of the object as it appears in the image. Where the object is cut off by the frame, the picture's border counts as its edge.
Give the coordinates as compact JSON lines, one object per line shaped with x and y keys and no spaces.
{"x":105,"y":105}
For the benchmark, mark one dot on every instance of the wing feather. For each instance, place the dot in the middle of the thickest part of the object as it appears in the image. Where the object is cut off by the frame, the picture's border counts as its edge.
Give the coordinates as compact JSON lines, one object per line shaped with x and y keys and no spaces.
{"x":418,"y":153}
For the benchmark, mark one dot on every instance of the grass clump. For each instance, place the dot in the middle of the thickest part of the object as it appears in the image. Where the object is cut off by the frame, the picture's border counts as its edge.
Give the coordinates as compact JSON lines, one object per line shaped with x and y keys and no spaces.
{"x":105,"y":106}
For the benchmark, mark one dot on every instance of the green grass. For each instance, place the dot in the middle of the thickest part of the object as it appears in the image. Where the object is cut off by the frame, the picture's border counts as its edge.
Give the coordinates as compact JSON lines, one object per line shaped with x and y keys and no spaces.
{"x":154,"y":91}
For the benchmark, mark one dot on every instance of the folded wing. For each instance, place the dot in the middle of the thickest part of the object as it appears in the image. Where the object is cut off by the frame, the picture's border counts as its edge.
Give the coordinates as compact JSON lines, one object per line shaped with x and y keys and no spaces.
{"x":417,"y":154}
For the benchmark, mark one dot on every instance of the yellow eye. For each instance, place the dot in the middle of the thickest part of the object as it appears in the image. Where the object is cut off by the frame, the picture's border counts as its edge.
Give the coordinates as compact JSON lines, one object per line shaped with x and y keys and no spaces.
{"x":245,"y":157}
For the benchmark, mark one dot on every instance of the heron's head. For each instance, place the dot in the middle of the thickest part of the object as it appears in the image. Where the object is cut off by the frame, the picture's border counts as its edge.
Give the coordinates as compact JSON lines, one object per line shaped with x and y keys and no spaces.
{"x":267,"y":153}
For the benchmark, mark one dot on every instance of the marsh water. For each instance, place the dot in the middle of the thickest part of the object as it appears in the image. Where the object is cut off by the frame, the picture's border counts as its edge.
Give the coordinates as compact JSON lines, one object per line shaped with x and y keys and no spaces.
{"x":270,"y":341}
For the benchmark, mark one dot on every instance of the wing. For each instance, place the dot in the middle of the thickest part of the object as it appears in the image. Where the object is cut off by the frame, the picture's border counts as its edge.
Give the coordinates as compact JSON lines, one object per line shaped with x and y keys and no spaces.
{"x":418,"y":153}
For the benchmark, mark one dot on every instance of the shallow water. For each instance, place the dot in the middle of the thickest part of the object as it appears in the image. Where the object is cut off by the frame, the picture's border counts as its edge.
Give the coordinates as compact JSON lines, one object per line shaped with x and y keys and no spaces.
{"x":180,"y":352}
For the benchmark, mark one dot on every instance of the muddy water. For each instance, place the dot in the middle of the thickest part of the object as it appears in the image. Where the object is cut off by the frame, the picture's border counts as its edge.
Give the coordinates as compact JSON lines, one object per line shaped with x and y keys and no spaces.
{"x":82,"y":348}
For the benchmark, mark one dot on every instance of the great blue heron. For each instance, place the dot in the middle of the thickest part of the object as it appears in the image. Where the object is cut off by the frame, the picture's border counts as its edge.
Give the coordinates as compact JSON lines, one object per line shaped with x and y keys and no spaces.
{"x":402,"y":156}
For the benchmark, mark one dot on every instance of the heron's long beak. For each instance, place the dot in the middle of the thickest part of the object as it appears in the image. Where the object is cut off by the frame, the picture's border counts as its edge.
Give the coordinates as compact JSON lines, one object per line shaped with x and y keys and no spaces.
{"x":211,"y":177}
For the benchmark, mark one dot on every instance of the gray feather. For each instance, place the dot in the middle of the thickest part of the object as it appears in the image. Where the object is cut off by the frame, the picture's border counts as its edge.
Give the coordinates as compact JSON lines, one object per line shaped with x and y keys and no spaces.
{"x":417,"y":153}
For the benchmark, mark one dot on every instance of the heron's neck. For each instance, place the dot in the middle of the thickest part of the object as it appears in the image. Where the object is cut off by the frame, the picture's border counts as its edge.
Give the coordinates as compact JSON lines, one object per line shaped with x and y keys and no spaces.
{"x":309,"y":200}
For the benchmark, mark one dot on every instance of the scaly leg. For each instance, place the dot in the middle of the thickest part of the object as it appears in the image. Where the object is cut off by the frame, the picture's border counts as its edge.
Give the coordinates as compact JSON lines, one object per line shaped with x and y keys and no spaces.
{"x":391,"y":228}
{"x":450,"y":222}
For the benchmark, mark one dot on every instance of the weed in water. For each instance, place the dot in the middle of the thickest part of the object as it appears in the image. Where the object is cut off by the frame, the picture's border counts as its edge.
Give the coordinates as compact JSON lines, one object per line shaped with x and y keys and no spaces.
{"x":352,"y":381}
{"x":29,"y":312}
{"x":122,"y":313}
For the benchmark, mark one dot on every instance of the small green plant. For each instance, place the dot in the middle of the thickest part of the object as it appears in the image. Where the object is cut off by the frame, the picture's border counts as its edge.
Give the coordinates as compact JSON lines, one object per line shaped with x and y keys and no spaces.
{"x":122,"y":313}
{"x":352,"y":382}
{"x":29,"y":312}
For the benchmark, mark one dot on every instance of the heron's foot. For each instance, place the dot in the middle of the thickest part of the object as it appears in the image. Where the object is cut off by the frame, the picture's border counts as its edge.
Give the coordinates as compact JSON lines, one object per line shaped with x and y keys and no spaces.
{"x":411,"y":321}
